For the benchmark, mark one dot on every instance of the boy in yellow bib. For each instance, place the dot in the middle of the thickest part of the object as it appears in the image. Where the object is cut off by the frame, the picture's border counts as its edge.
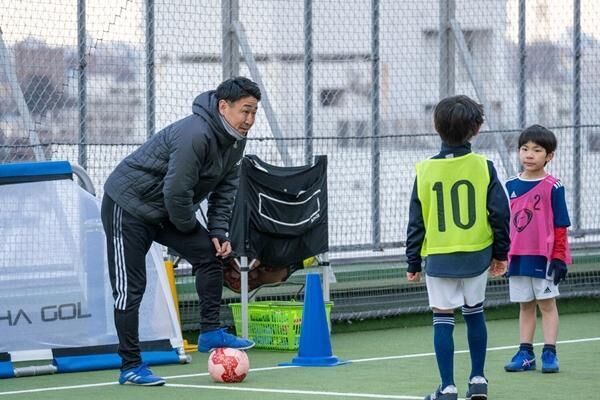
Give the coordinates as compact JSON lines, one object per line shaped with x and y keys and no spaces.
{"x":459,"y":220}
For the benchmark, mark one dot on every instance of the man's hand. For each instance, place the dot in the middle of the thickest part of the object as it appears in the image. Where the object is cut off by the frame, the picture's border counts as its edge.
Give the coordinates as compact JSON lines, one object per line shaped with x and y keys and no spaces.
{"x":498,"y":268}
{"x":223,"y":248}
{"x":413,"y":276}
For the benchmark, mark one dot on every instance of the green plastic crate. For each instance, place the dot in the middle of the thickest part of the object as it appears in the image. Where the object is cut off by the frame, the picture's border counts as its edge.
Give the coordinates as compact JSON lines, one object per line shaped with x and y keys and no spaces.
{"x":273,"y":324}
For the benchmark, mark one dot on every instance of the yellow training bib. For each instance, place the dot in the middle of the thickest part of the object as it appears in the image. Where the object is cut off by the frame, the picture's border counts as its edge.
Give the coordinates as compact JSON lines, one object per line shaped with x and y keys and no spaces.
{"x":453,"y":196}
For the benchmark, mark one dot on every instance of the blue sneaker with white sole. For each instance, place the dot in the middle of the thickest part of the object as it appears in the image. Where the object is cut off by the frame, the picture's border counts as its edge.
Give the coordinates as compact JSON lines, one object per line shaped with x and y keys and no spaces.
{"x":522,"y":361}
{"x":140,"y":375}
{"x":219,"y":338}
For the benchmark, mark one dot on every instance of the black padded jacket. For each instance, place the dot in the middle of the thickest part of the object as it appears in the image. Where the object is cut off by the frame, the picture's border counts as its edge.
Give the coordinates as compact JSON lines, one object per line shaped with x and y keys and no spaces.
{"x":186,"y":162}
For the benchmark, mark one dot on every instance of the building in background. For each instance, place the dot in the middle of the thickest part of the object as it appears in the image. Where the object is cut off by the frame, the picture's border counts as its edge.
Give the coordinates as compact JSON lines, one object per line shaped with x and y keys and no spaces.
{"x":189,"y":61}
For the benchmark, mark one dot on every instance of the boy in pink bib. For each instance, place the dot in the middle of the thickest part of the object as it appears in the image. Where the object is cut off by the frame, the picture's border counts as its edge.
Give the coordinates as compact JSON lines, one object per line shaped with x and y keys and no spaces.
{"x":539,"y":251}
{"x":532,"y":227}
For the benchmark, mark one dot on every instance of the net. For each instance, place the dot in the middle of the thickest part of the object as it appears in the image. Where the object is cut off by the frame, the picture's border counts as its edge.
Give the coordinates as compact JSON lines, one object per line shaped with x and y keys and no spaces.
{"x":55,"y":295}
{"x":355,"y":80}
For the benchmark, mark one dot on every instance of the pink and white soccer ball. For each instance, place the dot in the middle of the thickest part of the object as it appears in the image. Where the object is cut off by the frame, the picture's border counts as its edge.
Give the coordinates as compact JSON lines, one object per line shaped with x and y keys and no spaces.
{"x":228,"y":365}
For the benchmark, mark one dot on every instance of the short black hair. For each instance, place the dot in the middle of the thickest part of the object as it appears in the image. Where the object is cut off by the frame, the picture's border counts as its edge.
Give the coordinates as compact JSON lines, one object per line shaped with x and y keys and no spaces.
{"x":235,"y":88}
{"x":539,"y":135}
{"x":457,"y":119}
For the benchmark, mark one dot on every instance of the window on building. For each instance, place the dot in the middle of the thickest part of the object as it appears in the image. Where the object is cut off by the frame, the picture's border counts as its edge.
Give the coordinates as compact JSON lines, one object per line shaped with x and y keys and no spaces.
{"x":342,"y":132}
{"x":331,"y":97}
{"x":353,"y":133}
{"x":594,"y":141}
{"x":542,"y":112}
{"x":362,"y":130}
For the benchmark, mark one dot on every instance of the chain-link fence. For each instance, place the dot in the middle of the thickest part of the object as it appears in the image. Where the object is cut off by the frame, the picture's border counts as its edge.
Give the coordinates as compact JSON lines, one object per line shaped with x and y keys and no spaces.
{"x":357,"y":80}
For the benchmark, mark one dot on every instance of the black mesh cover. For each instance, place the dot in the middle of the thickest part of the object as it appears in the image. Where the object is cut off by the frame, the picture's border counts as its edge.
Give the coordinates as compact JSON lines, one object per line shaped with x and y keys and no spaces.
{"x":280,"y":216}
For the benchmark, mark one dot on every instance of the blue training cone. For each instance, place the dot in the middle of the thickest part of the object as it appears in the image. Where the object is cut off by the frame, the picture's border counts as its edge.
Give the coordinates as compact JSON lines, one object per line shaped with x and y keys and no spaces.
{"x":315,"y":344}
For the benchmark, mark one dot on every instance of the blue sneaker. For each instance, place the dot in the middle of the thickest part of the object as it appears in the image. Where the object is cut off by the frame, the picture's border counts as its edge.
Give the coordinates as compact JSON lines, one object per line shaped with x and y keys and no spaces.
{"x":522,"y":361}
{"x":218,"y":338}
{"x":141,"y":375}
{"x":549,"y":362}
{"x":449,"y":393}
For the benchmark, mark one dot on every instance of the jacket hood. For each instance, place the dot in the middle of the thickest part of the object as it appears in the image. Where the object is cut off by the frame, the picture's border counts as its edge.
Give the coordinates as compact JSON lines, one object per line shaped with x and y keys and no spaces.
{"x":205,"y":106}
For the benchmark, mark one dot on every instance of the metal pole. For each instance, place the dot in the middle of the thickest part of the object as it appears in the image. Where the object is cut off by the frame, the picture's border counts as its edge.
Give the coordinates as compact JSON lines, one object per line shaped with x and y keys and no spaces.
{"x":463,"y":50}
{"x":230,"y":11}
{"x":522,"y":96}
{"x":82,"y":79}
{"x":266,"y":103}
{"x":375,"y":124}
{"x":150,"y":71}
{"x":84,"y":178}
{"x":244,"y":294}
{"x":308,"y":83}
{"x":577,"y":112}
{"x":446,"y":41}
{"x":327,"y":274}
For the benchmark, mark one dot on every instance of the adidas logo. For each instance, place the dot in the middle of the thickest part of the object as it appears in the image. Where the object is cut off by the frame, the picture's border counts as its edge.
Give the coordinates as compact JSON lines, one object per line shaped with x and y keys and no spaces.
{"x":513,"y":195}
{"x":547,"y":290}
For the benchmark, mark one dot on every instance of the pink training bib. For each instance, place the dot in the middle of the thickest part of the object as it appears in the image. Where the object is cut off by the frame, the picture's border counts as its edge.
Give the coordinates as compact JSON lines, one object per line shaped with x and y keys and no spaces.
{"x":532,"y":221}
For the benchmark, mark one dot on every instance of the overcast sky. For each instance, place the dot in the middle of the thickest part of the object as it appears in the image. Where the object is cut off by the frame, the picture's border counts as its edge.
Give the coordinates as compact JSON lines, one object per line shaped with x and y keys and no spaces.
{"x":55,"y":21}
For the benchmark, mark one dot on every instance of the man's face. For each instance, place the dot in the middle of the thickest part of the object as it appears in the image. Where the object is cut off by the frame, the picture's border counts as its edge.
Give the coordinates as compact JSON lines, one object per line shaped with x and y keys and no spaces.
{"x":240,"y":114}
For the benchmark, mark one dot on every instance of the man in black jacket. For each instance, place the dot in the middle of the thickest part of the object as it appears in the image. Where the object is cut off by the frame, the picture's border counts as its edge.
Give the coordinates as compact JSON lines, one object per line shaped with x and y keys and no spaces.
{"x":152,"y":195}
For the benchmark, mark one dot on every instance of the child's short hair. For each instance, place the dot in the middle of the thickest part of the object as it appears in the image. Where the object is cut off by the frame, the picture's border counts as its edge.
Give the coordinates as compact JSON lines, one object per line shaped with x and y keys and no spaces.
{"x":539,"y":135}
{"x":457,"y":119}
